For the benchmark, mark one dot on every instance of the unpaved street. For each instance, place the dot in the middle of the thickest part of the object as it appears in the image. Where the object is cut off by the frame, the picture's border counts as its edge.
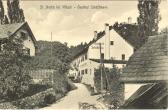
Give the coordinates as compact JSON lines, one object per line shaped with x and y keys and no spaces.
{"x":76,"y":97}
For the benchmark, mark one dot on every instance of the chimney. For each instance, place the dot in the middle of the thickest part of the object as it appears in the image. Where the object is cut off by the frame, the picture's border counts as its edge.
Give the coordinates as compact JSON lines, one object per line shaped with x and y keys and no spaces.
{"x":107,"y":42}
{"x":129,"y":20}
{"x":95,"y":35}
{"x":106,"y":24}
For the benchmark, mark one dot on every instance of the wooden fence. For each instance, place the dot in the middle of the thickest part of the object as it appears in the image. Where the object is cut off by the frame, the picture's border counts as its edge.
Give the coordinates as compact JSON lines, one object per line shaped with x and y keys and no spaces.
{"x":41,"y":74}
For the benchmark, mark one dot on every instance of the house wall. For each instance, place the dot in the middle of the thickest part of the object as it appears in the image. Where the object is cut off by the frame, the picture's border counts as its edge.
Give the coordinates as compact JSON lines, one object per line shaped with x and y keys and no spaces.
{"x":119,"y":47}
{"x":115,"y":51}
{"x":76,"y":65}
{"x":28,"y":43}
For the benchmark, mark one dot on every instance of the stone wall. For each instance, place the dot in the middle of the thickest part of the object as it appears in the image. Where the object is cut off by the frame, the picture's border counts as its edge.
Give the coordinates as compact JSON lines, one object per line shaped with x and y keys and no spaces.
{"x":34,"y":101}
{"x":7,"y":105}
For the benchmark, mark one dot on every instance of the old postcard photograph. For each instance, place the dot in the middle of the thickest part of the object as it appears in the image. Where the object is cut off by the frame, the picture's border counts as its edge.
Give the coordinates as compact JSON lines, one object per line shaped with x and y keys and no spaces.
{"x":83,"y":54}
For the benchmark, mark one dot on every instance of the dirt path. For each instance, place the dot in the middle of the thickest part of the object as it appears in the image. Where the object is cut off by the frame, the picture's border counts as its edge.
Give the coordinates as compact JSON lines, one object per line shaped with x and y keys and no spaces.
{"x":73,"y":99}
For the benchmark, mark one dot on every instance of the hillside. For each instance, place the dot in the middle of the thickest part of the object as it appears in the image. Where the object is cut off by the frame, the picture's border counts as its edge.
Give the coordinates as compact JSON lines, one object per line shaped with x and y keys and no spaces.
{"x":76,"y":49}
{"x":52,"y":55}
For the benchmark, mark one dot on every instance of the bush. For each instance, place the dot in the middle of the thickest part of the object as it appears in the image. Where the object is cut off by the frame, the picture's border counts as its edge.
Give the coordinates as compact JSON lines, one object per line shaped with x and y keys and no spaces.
{"x":111,"y":83}
{"x":49,"y":99}
{"x":14,"y":76}
{"x":71,"y":86}
{"x":36,"y":88}
{"x":61,"y":83}
{"x":38,"y":100}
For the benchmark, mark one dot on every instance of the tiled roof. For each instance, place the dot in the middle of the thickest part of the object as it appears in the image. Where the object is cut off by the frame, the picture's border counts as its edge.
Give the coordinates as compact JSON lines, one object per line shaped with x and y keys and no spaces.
{"x":129,"y":33}
{"x":8,"y":29}
{"x":99,"y":35}
{"x":130,"y":36}
{"x":150,"y":62}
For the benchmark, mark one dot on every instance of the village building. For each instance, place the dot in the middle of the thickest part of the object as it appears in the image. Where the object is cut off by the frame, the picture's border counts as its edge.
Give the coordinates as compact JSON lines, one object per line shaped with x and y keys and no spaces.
{"x":21,"y":30}
{"x":115,"y":49}
{"x":146,"y":75}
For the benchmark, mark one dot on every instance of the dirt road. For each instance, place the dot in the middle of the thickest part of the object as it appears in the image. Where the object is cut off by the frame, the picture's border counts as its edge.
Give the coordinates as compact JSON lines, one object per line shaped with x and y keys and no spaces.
{"x":80,"y":96}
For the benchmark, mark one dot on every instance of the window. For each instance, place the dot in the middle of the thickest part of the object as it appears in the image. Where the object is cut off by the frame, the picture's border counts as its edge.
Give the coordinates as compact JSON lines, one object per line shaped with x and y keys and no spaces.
{"x":82,"y":72}
{"x":102,"y":55}
{"x":86,"y":71}
{"x":1,"y":47}
{"x":123,"y":56}
{"x":26,"y":51}
{"x":23,"y":35}
{"x":111,"y":42}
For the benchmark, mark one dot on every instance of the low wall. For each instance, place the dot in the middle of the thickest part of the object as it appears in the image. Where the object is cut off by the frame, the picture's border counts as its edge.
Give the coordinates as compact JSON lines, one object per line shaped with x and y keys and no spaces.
{"x":7,"y":105}
{"x":34,"y":101}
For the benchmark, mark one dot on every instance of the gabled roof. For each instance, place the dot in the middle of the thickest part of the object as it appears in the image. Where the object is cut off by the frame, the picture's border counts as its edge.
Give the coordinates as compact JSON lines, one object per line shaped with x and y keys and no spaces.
{"x":8,"y":30}
{"x":150,"y":62}
{"x":129,"y":32}
{"x":99,"y":35}
{"x":130,"y":37}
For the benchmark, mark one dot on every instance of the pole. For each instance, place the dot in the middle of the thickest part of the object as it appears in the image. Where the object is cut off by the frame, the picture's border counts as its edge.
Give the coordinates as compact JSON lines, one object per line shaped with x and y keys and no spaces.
{"x":51,"y":44}
{"x":101,"y":70}
{"x":51,"y":56}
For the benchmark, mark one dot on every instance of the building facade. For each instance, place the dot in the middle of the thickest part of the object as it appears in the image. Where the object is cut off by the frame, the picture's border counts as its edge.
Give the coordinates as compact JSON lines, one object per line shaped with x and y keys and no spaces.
{"x":19,"y":30}
{"x":114,"y":50}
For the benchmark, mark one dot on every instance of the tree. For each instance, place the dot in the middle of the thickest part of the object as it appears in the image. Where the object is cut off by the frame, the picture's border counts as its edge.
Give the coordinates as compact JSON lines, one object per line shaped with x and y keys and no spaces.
{"x":6,"y":21}
{"x":148,"y":19}
{"x":14,"y":76}
{"x":112,"y":84}
{"x":1,"y":12}
{"x":76,"y":49}
{"x":164,"y":30}
{"x":59,"y":60}
{"x":15,"y":13}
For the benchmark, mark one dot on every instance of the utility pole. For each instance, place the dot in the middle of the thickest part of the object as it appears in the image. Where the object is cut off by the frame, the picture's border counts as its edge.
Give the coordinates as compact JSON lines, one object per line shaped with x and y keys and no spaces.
{"x":101,"y":69}
{"x":51,"y":44}
{"x":52,"y":80}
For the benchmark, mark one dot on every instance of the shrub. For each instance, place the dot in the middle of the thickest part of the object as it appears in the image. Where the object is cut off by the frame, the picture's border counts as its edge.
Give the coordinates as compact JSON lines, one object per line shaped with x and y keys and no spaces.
{"x":61,"y":83}
{"x":14,"y":76}
{"x":71,"y":86}
{"x":36,"y":88}
{"x":49,"y":99}
{"x":38,"y":100}
{"x":111,"y":83}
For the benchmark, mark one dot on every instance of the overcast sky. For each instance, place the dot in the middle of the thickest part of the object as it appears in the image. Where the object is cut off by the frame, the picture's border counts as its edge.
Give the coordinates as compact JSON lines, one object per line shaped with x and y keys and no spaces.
{"x":77,"y":25}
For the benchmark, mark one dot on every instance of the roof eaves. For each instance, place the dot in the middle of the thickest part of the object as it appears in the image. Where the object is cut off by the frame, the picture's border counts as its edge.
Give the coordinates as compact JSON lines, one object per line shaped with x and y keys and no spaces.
{"x":17,"y":29}
{"x":101,"y":34}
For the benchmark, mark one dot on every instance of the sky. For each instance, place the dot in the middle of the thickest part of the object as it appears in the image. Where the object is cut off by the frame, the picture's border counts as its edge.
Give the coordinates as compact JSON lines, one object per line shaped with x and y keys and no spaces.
{"x":78,"y":25}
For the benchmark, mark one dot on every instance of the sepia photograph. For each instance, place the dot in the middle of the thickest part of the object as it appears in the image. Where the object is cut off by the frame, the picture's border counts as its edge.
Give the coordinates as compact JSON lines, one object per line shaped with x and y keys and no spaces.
{"x":83,"y":54}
